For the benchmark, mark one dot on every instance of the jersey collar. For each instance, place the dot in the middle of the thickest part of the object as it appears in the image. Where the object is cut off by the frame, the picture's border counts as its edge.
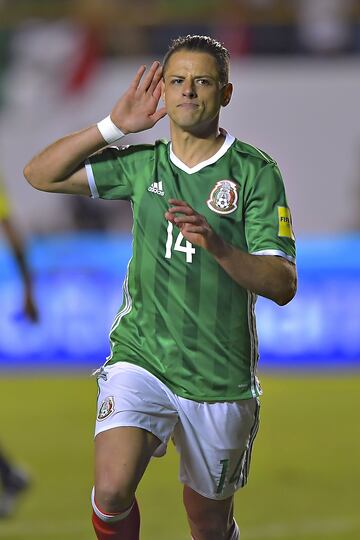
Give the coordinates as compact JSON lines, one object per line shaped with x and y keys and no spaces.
{"x":229,"y":139}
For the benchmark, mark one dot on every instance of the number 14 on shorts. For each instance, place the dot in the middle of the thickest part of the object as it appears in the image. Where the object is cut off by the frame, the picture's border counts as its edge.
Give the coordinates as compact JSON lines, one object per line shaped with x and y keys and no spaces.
{"x":235,"y":476}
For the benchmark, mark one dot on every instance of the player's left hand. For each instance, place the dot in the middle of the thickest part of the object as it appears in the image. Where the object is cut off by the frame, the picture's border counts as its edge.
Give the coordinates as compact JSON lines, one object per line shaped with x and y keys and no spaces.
{"x":193,"y":226}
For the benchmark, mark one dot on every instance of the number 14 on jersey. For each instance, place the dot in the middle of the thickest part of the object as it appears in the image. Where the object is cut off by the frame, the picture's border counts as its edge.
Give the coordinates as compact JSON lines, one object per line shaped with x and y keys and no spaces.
{"x":188,"y":248}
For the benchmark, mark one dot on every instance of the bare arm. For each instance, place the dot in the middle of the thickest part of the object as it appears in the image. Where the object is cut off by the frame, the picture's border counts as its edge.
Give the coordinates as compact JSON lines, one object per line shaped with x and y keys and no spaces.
{"x":269,"y":276}
{"x":18,"y":250}
{"x":59,"y":168}
{"x":266,"y":275}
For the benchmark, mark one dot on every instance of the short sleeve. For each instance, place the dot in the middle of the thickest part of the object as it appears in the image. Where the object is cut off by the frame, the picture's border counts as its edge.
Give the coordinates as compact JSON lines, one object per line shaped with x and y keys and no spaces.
{"x":111,"y":173}
{"x":268,"y":223}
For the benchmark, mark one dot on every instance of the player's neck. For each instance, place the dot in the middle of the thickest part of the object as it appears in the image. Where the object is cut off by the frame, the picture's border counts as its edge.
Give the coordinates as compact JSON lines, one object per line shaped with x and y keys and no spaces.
{"x":193,"y":149}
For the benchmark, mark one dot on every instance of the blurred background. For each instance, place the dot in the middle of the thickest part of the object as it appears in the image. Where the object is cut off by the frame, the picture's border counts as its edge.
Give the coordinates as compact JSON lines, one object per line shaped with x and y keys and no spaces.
{"x":296,"y":71}
{"x":295,"y":68}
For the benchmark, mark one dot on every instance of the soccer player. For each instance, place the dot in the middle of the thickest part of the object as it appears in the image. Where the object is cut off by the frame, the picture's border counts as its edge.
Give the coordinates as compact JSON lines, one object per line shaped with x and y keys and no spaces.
{"x":14,"y":481}
{"x":212,"y":230}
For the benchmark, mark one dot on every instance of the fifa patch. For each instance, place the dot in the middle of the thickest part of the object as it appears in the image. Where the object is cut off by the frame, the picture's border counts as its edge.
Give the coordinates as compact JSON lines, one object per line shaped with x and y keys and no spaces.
{"x":223,"y":197}
{"x":285,"y":223}
{"x":107,"y":408}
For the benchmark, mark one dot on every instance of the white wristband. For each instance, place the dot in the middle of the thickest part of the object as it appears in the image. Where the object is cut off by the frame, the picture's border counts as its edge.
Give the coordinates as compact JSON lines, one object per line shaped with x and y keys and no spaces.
{"x":109,"y":130}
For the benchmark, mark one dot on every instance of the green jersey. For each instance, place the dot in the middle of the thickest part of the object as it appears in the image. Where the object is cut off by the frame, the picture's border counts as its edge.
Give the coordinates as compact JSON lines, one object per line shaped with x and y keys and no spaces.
{"x":183,"y":318}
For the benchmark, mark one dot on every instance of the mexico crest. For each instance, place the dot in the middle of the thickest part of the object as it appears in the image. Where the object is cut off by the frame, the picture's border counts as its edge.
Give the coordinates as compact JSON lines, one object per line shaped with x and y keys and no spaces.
{"x":107,"y":407}
{"x":223,"y":197}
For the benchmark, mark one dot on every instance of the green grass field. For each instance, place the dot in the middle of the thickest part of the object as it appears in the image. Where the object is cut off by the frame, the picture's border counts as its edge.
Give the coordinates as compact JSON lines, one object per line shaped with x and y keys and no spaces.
{"x":304,"y":482}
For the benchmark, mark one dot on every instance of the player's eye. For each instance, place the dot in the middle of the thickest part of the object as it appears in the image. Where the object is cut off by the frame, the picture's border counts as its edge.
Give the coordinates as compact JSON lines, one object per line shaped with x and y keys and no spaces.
{"x":176,"y":81}
{"x":203,"y":82}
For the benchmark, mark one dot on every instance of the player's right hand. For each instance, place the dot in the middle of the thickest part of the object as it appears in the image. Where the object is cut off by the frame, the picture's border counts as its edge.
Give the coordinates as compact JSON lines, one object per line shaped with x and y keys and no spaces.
{"x":137,"y":109}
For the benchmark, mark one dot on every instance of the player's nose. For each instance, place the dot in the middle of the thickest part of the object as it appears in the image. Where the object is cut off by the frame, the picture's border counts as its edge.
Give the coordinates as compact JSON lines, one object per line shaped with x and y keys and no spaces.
{"x":189,"y":89}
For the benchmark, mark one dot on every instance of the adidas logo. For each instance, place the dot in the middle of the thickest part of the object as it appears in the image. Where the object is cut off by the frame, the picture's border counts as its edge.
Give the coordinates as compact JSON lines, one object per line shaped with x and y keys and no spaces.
{"x":157,"y":188}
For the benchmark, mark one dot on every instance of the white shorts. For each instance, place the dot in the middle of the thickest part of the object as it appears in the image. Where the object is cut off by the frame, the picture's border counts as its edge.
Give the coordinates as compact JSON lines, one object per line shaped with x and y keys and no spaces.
{"x":214,"y":440}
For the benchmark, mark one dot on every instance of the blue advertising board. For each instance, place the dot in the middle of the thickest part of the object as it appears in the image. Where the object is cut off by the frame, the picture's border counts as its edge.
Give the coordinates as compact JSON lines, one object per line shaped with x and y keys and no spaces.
{"x":78,"y":286}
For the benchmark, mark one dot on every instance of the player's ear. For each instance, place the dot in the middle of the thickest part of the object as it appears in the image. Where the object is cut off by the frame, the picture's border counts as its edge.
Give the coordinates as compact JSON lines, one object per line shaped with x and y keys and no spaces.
{"x":227,"y":91}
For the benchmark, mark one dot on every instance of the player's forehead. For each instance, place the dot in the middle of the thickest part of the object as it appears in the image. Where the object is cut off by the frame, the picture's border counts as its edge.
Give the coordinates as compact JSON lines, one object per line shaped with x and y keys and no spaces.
{"x":194,"y":63}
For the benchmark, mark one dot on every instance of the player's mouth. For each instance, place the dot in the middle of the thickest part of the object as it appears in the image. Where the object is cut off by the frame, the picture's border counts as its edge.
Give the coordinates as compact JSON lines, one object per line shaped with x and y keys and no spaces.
{"x":189,"y":106}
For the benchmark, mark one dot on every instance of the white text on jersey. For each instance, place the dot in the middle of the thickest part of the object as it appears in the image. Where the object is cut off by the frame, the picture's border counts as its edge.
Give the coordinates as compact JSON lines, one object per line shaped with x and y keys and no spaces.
{"x":157,"y":188}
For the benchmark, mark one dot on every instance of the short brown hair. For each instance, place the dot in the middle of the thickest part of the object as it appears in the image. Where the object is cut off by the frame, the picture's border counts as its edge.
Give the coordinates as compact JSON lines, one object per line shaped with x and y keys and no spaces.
{"x":204,"y":44}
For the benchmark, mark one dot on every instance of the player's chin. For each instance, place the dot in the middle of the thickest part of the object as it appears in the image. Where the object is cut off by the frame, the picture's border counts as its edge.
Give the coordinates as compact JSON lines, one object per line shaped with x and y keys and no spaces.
{"x":190,"y":127}
{"x":186,"y":119}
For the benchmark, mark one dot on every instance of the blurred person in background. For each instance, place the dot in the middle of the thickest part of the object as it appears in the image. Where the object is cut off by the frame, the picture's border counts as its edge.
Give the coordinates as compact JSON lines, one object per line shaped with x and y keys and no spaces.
{"x":14,"y":481}
{"x":324,"y":25}
{"x":211,"y":230}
